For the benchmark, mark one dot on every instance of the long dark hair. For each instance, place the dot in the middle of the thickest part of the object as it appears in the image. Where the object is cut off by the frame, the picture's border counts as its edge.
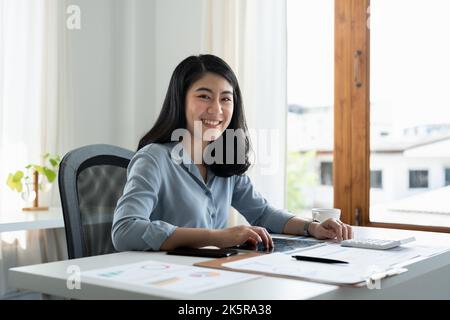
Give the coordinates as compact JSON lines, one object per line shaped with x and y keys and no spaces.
{"x":173,"y":114}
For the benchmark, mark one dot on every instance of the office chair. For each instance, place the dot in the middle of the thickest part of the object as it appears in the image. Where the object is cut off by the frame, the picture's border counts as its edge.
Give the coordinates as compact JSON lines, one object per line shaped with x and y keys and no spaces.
{"x":91,"y":180}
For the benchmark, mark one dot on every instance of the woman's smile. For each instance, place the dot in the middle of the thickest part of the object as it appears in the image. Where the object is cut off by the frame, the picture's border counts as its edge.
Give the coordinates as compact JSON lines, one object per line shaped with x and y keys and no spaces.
{"x":213,"y":124}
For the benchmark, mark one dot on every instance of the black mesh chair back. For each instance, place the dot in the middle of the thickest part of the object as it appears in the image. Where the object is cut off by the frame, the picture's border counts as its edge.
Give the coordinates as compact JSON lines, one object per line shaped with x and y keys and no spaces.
{"x":91,"y":180}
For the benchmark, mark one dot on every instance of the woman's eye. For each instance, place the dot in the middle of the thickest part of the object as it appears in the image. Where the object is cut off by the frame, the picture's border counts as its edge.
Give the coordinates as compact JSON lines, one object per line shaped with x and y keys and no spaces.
{"x":203,"y":96}
{"x":227,"y":99}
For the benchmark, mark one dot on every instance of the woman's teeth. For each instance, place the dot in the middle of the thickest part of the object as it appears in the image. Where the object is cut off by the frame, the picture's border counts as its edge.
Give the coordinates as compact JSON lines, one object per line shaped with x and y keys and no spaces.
{"x":211,"y":122}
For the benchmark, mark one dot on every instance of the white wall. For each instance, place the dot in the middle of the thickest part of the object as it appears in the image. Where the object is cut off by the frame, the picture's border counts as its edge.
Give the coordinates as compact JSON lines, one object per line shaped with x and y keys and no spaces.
{"x":90,"y":61}
{"x":134,"y":70}
{"x":111,"y":73}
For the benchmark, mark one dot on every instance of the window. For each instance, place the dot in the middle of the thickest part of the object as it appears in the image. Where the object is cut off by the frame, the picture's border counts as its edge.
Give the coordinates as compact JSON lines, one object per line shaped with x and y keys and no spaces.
{"x":418,"y":179}
{"x":447,"y":176}
{"x":310,"y":95}
{"x":326,"y":173}
{"x":387,"y":111}
{"x":413,"y":110}
{"x":376,"y":179}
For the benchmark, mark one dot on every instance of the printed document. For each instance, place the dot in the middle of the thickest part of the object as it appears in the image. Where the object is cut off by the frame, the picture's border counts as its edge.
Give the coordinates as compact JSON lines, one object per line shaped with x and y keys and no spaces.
{"x":168,"y":276}
{"x":362,"y":263}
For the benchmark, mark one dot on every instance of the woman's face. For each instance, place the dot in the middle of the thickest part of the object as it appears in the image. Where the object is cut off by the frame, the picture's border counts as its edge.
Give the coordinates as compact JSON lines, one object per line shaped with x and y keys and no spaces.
{"x":209,"y":107}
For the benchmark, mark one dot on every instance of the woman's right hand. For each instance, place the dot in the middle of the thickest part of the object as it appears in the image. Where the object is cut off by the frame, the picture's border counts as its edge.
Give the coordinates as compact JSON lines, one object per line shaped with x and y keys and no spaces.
{"x":234,"y":236}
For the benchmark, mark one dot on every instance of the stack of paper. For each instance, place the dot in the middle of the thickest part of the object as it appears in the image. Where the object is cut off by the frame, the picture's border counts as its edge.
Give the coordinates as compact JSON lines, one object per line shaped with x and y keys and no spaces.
{"x":362,"y":263}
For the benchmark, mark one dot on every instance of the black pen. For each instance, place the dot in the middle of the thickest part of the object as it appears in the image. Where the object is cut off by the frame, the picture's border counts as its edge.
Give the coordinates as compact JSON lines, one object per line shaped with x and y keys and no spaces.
{"x":316,"y":259}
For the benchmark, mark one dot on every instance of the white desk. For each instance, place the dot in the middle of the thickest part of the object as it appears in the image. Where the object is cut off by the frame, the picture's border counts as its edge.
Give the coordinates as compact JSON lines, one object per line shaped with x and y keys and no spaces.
{"x":31,"y":220}
{"x":426,"y":279}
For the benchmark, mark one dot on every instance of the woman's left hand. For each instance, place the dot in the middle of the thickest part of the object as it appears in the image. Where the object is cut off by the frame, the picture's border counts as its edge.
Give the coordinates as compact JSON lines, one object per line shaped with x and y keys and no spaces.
{"x":331,"y":229}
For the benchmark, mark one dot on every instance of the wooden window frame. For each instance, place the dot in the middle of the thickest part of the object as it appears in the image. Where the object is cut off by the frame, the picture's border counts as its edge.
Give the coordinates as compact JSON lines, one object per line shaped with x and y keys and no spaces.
{"x":351,"y":156}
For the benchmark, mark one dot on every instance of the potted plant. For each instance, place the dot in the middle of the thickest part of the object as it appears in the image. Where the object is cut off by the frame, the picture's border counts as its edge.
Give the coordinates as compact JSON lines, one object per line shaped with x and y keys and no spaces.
{"x":35,"y":178}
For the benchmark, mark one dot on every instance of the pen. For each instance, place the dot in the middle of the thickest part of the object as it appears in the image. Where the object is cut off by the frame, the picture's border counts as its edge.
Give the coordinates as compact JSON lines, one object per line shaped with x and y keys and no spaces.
{"x":316,"y":259}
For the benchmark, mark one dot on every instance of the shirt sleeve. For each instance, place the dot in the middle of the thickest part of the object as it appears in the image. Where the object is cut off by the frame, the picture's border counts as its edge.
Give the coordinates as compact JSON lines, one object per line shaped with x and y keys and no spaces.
{"x":255,"y":208}
{"x":132,"y":227}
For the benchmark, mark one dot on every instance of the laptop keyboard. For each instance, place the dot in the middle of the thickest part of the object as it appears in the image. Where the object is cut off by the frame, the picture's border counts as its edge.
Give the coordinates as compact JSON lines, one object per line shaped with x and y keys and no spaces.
{"x":281,"y":245}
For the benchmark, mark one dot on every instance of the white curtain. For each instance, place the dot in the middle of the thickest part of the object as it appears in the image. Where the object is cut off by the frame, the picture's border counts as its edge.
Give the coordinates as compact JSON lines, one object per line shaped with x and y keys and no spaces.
{"x":31,"y":90}
{"x":21,"y":55}
{"x":251,"y":36}
{"x":28,"y":119}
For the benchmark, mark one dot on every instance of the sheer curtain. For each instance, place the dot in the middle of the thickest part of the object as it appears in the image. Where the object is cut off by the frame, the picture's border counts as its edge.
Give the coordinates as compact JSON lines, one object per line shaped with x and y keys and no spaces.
{"x":28,"y":100}
{"x":251,"y":36}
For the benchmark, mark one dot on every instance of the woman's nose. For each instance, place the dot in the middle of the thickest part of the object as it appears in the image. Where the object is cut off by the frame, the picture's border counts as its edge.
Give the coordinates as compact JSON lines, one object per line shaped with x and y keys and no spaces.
{"x":215,"y":107}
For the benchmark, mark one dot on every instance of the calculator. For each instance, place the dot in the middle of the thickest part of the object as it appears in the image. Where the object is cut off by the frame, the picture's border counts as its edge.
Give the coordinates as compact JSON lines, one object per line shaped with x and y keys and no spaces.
{"x":377,"y":244}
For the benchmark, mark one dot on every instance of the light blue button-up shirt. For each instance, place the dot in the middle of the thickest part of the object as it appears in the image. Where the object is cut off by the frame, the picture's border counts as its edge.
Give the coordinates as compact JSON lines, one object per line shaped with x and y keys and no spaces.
{"x":162,"y":194}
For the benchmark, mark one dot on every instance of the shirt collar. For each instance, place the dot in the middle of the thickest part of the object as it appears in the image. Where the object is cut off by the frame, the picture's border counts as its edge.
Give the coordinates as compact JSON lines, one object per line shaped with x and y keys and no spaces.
{"x":185,"y":160}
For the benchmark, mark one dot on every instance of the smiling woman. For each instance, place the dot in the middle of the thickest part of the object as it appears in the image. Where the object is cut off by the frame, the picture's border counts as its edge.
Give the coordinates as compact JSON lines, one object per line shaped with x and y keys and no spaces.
{"x":167,"y":204}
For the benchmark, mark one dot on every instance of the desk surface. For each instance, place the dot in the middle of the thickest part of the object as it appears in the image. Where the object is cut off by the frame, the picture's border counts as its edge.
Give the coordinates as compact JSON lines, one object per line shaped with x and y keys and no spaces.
{"x":29,"y":220}
{"x":423,"y":280}
{"x":51,"y":278}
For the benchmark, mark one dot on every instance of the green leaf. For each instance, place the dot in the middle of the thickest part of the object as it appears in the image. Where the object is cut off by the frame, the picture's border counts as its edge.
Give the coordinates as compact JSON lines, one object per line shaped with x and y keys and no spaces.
{"x":10,"y":181}
{"x":39,"y":169}
{"x":28,"y":166}
{"x":46,"y":155}
{"x":55,"y":161}
{"x":50,"y":174}
{"x":18,"y":175}
{"x":14,"y":181}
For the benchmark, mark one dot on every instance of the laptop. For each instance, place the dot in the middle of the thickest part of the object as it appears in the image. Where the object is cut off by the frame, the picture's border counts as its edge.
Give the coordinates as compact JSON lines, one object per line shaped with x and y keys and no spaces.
{"x":283,"y":245}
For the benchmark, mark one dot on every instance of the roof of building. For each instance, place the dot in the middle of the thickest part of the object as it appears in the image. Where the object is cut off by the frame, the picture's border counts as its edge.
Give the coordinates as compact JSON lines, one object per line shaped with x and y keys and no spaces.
{"x":434,"y":201}
{"x":438,"y":146}
{"x":406,"y":145}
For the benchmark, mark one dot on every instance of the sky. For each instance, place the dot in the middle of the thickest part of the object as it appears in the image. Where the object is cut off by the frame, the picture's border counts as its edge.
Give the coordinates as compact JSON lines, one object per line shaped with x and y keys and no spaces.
{"x":310,"y":52}
{"x":410,"y":58}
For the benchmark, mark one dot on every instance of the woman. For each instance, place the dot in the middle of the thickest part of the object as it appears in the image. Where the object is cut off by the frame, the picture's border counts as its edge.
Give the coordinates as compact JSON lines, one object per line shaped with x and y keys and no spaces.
{"x":168,"y":204}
